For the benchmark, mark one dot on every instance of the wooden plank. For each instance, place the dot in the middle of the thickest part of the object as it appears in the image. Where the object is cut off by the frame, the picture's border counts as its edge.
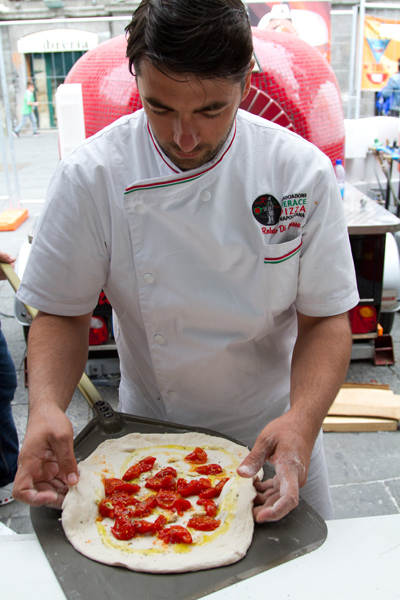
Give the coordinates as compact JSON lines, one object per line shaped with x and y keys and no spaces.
{"x":356,"y":424}
{"x":374,"y":385}
{"x":366,"y":402}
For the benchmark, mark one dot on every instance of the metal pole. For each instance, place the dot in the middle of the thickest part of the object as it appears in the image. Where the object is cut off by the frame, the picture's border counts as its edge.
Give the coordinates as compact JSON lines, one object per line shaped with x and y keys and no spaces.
{"x":352,"y":65}
{"x":5,"y":163}
{"x":361,"y":21}
{"x":7,"y":112}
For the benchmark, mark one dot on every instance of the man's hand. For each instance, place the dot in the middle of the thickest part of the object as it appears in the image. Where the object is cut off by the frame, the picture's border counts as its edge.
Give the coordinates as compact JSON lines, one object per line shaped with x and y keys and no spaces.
{"x":6,"y":258}
{"x":281,"y":444}
{"x":57,"y":353}
{"x":320,"y":360}
{"x":46,"y":464}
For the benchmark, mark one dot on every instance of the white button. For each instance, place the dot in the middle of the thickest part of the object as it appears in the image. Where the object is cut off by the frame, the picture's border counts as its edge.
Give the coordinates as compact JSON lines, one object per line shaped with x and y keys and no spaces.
{"x":148,"y":277}
{"x":159,"y":339}
{"x":140,"y":209}
{"x":205,"y":195}
{"x":172,"y":394}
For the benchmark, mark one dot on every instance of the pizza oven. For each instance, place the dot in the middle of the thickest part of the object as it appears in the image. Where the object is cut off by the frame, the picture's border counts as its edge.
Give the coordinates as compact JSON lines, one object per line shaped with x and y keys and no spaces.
{"x":292,"y":85}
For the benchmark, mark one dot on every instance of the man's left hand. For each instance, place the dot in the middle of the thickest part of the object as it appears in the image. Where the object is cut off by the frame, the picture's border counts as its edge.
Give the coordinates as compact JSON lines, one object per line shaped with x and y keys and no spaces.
{"x":281,"y":444}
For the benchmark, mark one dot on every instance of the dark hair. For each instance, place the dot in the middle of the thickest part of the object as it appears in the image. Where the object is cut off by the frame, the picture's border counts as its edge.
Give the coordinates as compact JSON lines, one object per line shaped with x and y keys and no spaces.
{"x":206,"y":38}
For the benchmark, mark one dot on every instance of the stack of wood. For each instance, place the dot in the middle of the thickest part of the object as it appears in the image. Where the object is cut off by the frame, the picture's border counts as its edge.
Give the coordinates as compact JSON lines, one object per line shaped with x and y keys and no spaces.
{"x":364,"y":407}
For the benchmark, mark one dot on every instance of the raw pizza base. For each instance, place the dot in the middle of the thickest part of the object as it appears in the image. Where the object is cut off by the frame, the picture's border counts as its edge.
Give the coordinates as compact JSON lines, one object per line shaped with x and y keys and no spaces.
{"x":224,"y":546}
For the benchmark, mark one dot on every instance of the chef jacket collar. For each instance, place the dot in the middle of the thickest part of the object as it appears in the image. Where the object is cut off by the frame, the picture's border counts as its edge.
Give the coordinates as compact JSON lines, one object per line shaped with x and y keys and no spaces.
{"x":207,"y":166}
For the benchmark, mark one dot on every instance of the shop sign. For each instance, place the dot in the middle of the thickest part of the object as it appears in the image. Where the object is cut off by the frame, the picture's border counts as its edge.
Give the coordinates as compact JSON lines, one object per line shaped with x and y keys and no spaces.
{"x":58,"y":40}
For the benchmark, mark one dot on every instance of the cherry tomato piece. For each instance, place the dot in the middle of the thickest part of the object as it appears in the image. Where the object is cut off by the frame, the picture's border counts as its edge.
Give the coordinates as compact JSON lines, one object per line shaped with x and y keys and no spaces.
{"x":106,"y":508}
{"x":123,"y":529}
{"x":166,"y":471}
{"x":115,"y":505}
{"x":117,"y":485}
{"x":142,"y":526}
{"x":132,"y":473}
{"x":165,"y":499}
{"x":161,"y":483}
{"x":122,"y":498}
{"x":209,"y":505}
{"x":143,"y":509}
{"x":221,"y":484}
{"x":175,"y":535}
{"x":120,"y":510}
{"x":198,"y":456}
{"x":192,"y":488}
{"x":146,"y":464}
{"x":159,"y":523}
{"x":211,"y":469}
{"x":181,"y":505}
{"x":209,"y":493}
{"x":204,"y":523}
{"x":172,"y":501}
{"x":215,"y":491}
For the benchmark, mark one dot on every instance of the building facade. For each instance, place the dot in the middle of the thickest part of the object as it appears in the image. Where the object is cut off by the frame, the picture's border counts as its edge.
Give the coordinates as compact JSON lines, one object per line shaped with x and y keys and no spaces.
{"x":42,"y":39}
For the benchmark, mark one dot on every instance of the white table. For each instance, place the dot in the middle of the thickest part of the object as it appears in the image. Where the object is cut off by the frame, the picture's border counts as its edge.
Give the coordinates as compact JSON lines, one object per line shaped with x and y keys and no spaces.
{"x":360,"y":560}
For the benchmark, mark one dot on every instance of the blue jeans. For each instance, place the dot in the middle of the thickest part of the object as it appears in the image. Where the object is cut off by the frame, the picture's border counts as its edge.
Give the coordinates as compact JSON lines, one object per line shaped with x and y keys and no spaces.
{"x":24,"y":119}
{"x":8,"y":434}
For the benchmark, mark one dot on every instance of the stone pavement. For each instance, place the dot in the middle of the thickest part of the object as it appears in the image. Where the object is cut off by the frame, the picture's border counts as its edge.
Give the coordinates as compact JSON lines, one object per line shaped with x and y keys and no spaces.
{"x":364,"y":468}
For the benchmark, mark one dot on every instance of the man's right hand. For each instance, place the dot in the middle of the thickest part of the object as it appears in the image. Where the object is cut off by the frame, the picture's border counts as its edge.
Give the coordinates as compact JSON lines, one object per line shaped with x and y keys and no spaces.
{"x":57,"y":354}
{"x":6,"y":258}
{"x":46,"y":464}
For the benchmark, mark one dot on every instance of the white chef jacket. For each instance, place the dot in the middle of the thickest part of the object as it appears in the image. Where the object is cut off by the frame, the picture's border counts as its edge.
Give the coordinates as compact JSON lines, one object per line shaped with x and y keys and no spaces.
{"x":204,"y":268}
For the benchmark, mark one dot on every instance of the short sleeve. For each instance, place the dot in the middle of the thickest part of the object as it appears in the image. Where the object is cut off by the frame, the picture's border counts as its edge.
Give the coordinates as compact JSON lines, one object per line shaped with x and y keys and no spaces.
{"x":69,"y":261}
{"x":327,"y":281}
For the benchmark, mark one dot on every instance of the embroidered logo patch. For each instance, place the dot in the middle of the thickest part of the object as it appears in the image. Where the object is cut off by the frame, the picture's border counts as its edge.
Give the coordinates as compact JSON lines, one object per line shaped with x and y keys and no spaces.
{"x":266,"y":210}
{"x":293,"y":206}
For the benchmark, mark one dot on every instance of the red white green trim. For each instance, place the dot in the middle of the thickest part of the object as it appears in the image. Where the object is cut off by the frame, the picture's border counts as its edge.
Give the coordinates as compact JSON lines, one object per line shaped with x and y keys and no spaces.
{"x":183,"y":179}
{"x":279,"y":259}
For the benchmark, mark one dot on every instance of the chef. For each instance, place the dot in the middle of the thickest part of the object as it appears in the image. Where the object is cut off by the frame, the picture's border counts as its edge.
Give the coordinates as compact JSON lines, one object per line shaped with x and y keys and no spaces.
{"x":220,"y":240}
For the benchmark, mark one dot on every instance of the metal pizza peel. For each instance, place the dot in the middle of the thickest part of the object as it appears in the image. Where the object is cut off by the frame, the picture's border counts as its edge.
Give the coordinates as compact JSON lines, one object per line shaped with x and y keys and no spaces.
{"x":300,"y":532}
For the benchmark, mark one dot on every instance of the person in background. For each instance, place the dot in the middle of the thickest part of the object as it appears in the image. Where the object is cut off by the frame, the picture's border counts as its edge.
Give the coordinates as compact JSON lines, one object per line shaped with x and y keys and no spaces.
{"x":27,"y":110}
{"x":8,"y":434}
{"x":391,"y":92}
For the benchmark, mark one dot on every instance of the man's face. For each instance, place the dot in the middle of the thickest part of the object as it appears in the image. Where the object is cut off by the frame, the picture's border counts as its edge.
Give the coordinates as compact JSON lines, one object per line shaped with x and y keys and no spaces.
{"x":190,"y":118}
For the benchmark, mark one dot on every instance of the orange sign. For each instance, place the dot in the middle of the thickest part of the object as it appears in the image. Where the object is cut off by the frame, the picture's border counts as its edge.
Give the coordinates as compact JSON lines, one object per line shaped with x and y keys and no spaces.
{"x":381,"y":52}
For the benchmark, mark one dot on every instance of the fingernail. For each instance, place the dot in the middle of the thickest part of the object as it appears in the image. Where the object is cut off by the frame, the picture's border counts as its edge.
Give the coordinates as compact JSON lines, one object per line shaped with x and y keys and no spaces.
{"x":72,"y":479}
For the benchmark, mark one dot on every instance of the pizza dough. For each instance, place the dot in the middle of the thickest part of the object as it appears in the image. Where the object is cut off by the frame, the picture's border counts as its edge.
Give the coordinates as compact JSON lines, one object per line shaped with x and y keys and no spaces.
{"x":92,"y":536}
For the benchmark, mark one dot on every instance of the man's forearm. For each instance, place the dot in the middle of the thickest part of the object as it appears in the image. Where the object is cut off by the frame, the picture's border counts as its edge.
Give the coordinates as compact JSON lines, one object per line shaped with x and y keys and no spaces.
{"x":57,"y":354}
{"x":320,"y":361}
